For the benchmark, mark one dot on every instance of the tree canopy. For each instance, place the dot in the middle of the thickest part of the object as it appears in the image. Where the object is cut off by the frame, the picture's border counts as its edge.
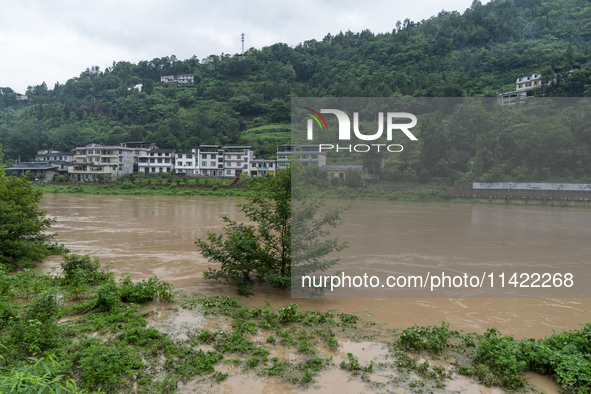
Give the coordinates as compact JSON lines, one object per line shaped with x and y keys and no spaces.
{"x":23,"y":225}
{"x":279,"y":244}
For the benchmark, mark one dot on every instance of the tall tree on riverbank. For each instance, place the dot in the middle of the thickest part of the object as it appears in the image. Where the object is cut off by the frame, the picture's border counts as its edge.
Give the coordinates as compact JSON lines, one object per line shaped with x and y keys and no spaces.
{"x":22,"y":224}
{"x":265,"y":251}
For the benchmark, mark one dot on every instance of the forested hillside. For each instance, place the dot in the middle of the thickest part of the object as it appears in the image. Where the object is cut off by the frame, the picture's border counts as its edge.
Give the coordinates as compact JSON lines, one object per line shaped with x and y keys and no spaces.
{"x":246,"y":99}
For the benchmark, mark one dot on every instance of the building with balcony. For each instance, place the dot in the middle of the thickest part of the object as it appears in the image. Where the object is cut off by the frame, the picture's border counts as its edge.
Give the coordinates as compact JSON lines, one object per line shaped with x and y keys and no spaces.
{"x":93,"y":160}
{"x":237,"y":160}
{"x":181,"y":79}
{"x":308,"y":155}
{"x":211,"y":160}
{"x":156,"y":161}
{"x":261,"y":167}
{"x":185,"y":78}
{"x":186,"y":162}
{"x":528,"y":82}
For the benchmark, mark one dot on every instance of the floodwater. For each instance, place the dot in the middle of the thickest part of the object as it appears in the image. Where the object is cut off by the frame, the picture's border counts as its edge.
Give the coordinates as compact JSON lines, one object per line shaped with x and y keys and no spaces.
{"x":154,"y":236}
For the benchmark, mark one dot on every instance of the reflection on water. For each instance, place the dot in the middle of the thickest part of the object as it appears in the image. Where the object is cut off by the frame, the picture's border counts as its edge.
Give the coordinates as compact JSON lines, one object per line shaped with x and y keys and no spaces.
{"x":154,"y":235}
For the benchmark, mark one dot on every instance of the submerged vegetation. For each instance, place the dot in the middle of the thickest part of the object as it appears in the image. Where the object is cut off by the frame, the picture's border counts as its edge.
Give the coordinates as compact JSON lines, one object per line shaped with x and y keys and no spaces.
{"x":81,"y":331}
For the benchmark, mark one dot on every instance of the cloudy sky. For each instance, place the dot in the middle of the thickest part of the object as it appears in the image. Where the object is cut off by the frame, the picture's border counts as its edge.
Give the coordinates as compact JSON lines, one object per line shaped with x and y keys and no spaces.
{"x":54,"y":40}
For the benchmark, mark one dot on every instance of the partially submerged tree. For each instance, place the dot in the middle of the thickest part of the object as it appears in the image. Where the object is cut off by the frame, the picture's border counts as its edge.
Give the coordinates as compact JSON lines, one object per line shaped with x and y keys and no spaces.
{"x":22,"y":224}
{"x":277,"y":243}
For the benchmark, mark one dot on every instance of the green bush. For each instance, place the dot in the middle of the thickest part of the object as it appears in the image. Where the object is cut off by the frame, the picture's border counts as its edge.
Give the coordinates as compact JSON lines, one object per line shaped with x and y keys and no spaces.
{"x":143,"y":291}
{"x":108,"y":296}
{"x":104,"y":365}
{"x":73,"y":265}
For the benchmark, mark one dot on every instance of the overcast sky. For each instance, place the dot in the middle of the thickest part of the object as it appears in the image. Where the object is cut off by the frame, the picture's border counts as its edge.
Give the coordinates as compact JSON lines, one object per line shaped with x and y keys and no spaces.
{"x":55,"y":40}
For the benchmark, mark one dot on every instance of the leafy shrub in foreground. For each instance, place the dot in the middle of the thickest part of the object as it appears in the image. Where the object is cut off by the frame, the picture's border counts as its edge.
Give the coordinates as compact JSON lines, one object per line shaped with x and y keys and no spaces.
{"x":105,"y":365}
{"x":143,"y":291}
{"x":73,"y":264}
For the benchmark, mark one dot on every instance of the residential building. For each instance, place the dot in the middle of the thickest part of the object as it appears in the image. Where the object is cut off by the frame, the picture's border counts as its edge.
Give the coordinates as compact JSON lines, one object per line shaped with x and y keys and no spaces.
{"x":168,"y":78}
{"x":186,"y":162}
{"x":39,"y":170}
{"x":306,"y":154}
{"x":510,"y":98}
{"x":181,"y":79}
{"x":237,"y":160}
{"x":528,"y":82}
{"x":261,"y":167}
{"x":156,"y":161}
{"x":139,"y":145}
{"x":185,"y":78}
{"x":50,"y":155}
{"x":94,"y":159}
{"x":339,"y":171}
{"x":211,"y":160}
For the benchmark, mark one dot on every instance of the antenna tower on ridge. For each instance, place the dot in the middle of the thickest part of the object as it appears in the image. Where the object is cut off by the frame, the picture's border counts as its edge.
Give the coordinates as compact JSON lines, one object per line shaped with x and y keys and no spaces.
{"x":242,"y":44}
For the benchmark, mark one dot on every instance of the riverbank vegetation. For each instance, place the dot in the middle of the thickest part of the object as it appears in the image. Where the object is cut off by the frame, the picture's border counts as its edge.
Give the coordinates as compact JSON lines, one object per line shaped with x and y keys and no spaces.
{"x":81,"y":330}
{"x":23,"y":226}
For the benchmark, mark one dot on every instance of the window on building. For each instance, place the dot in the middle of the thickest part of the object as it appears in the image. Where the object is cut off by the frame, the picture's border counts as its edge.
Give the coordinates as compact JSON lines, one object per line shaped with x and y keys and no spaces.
{"x":189,"y":164}
{"x":220,"y":159}
{"x":220,"y":152}
{"x":167,"y":160}
{"x":204,"y":156}
{"x":152,"y":160}
{"x":212,"y":163}
{"x":159,"y":160}
{"x":159,"y":153}
{"x":313,"y":156}
{"x":203,"y":164}
{"x":212,"y":156}
{"x":179,"y":163}
{"x":189,"y":156}
{"x":228,"y":172}
{"x":151,"y":153}
{"x":270,"y":165}
{"x":120,"y":160}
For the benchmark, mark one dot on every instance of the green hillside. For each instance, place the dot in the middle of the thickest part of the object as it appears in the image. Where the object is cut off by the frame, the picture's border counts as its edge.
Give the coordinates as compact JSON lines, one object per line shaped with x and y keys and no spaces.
{"x":479,"y":52}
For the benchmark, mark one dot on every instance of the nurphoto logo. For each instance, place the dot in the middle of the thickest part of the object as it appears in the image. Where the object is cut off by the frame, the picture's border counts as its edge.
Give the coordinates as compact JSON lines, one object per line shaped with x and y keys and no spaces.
{"x":344,"y":131}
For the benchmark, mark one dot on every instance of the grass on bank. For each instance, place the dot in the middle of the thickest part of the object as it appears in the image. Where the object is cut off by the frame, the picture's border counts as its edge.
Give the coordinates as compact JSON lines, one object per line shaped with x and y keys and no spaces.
{"x":83,"y":331}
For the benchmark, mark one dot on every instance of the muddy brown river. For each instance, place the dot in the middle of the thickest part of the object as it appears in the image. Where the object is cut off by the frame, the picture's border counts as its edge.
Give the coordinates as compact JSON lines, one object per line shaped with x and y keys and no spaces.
{"x":154,"y":236}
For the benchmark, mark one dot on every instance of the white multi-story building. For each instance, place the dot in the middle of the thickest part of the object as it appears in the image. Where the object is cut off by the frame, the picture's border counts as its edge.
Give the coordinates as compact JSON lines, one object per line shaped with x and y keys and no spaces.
{"x":168,"y":78}
{"x":237,"y":160}
{"x":211,"y":160}
{"x":156,"y":161}
{"x":185,"y":78}
{"x":181,"y":79}
{"x":186,"y":162}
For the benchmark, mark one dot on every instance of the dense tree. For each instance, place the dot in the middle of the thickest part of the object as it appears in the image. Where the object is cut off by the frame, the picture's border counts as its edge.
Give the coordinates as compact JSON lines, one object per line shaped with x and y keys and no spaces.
{"x":23,"y":226}
{"x":281,"y":239}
